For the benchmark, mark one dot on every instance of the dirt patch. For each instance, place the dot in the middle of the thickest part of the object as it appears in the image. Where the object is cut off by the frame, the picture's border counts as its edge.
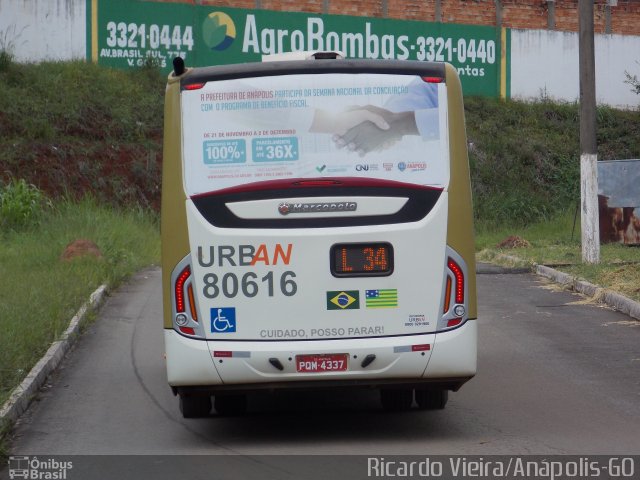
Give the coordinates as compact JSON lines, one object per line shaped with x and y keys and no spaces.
{"x":513,"y":241}
{"x":80,"y":248}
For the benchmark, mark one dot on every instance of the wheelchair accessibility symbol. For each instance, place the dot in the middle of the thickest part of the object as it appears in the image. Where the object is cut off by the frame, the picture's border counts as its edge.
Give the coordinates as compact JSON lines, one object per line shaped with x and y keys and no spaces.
{"x":223,"y":320}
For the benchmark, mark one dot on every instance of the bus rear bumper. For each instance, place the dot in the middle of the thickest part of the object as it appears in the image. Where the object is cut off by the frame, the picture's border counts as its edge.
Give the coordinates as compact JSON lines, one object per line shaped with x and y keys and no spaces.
{"x":188,"y":361}
{"x":455,"y":352}
{"x":445,"y":360}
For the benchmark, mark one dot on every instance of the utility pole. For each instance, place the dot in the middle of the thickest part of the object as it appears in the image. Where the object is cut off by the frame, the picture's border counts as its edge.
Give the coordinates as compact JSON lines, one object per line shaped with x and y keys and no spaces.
{"x":551,"y":14}
{"x":588,"y":144}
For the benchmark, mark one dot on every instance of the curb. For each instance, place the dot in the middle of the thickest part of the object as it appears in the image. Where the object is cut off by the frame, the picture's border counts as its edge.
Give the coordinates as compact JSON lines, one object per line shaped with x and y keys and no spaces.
{"x":23,"y":394}
{"x":602,"y":295}
{"x":614,"y":300}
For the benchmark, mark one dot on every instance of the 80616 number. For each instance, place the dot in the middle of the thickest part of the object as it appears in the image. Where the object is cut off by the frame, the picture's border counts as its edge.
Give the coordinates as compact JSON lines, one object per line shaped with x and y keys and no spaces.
{"x":249,"y":285}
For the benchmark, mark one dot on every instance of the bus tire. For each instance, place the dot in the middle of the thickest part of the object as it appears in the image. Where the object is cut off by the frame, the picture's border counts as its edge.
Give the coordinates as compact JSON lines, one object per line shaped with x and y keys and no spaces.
{"x":195,"y":406}
{"x":229,"y":405}
{"x":432,"y":399}
{"x":396,"y":399}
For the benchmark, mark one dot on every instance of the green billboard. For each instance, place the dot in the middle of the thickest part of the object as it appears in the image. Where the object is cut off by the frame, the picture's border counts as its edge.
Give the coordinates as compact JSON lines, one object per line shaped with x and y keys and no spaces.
{"x":130,"y":33}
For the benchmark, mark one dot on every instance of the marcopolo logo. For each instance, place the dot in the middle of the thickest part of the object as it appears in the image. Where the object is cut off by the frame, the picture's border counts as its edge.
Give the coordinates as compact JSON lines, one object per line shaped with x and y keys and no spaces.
{"x":218,"y":31}
{"x":286,"y":208}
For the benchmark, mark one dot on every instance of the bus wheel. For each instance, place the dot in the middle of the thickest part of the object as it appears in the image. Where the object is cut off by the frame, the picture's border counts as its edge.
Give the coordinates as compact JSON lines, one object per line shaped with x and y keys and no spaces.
{"x":432,"y":399}
{"x":396,"y":399}
{"x":195,"y":406}
{"x":230,"y":404}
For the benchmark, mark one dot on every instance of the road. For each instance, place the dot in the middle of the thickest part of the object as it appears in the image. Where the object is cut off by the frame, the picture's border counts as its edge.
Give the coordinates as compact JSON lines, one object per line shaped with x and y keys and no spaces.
{"x":557,"y":375}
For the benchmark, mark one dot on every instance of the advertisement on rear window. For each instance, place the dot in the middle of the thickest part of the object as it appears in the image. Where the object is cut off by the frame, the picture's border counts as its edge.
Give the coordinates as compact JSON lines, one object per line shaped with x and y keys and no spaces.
{"x":390,"y":127}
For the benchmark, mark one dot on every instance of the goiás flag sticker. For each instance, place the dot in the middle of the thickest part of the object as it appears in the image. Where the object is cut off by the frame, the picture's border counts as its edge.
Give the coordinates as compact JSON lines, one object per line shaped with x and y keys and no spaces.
{"x":385,"y":298}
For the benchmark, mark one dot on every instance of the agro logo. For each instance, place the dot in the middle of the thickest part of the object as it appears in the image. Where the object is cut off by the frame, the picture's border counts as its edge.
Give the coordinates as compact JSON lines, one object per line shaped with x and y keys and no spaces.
{"x":218,"y":31}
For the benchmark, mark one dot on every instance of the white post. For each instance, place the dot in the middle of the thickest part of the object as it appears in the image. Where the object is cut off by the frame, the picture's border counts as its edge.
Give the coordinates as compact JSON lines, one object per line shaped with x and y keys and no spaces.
{"x":589,"y":203}
{"x":588,"y":144}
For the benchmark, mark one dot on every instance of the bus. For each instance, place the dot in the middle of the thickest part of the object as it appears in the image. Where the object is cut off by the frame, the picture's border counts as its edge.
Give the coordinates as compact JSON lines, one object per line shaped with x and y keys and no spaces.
{"x":317,"y":231}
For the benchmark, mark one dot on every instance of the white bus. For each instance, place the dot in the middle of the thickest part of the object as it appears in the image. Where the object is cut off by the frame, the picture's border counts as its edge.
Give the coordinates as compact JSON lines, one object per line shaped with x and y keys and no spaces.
{"x":317,"y":231}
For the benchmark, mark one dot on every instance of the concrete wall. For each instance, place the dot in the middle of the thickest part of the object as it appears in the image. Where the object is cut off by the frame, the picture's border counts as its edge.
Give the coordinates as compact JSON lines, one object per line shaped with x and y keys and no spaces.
{"x":36,"y":30}
{"x":545,"y":63}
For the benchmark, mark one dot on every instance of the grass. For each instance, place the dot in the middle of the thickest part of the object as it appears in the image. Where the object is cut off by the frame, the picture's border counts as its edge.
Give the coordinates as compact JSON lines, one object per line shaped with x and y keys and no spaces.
{"x":5,"y":430}
{"x":21,"y":204}
{"x":555,"y":243}
{"x":72,"y":128}
{"x":39,"y":293}
{"x":525,"y":156}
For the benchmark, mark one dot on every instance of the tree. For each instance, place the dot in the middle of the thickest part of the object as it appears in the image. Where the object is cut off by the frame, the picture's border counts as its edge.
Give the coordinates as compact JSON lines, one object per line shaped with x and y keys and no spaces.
{"x":633,"y":81}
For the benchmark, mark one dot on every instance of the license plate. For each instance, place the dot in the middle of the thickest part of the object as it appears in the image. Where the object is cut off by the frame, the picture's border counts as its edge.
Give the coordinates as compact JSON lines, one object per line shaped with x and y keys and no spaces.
{"x":333,"y":362}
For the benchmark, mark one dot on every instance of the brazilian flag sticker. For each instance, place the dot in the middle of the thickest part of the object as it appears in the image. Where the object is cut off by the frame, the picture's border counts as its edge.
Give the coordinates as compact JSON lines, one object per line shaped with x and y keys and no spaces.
{"x":343,"y":300}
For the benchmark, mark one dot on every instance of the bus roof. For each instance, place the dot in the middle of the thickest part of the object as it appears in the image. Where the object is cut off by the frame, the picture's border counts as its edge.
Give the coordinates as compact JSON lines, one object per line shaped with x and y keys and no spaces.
{"x":390,"y":67}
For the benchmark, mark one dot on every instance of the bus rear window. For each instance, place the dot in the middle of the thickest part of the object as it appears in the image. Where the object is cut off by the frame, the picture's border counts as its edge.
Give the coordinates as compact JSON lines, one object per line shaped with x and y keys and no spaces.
{"x":380,"y":126}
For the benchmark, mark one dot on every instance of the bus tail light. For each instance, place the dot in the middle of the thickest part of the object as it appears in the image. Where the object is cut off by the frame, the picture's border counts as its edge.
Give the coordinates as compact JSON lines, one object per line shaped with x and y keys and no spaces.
{"x":194,"y":86}
{"x":179,"y":289}
{"x":454,"y":307}
{"x":454,"y":322}
{"x":185,"y":308}
{"x":192,"y":303}
{"x":459,"y":279}
{"x":433,"y":79}
{"x":447,"y":295}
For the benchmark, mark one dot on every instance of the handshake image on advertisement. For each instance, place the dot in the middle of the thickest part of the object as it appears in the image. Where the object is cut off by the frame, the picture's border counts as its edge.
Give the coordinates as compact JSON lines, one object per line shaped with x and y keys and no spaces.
{"x":369,"y":128}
